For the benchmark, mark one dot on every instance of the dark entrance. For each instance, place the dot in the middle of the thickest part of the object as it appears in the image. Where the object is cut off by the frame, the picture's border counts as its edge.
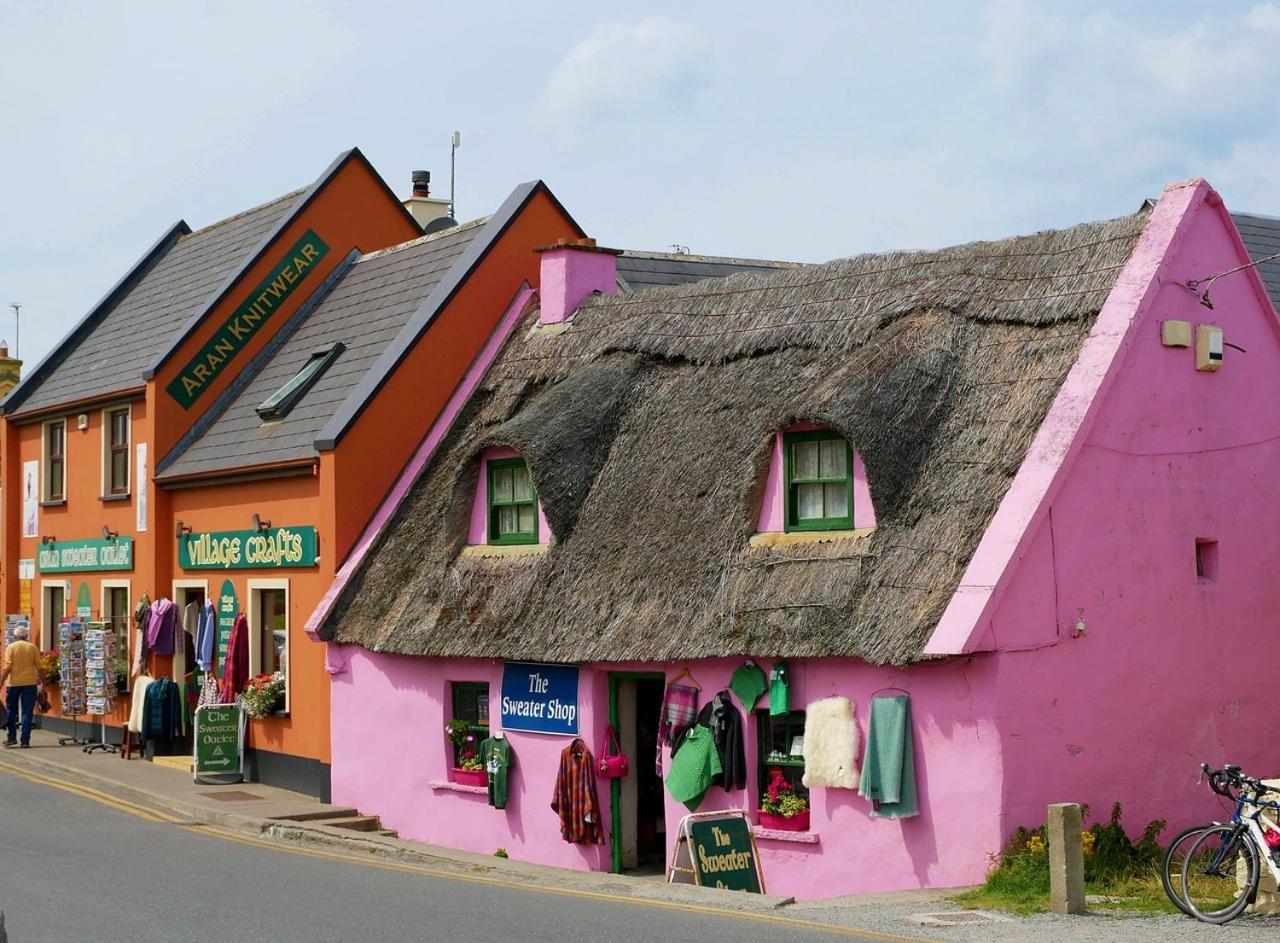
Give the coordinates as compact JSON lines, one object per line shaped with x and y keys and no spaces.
{"x":639,"y":825}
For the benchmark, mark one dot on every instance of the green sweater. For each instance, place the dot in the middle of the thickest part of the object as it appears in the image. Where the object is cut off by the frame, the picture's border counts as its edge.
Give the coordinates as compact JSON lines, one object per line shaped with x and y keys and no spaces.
{"x":693,"y":768}
{"x":497,"y":757}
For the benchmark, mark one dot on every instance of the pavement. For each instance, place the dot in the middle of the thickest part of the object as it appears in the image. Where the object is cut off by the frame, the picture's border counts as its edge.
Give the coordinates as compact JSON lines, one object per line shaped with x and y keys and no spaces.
{"x":266,"y":854}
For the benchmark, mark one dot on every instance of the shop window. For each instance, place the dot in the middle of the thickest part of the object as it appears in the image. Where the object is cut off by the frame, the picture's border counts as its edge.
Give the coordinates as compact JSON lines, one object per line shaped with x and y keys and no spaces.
{"x":513,"y":503}
{"x":55,"y":460}
{"x":53,"y":609}
{"x":285,"y":398}
{"x":269,"y":631}
{"x":115,"y":458}
{"x":781,"y":741}
{"x":115,"y":612}
{"x":470,"y":718}
{"x":819,"y":481}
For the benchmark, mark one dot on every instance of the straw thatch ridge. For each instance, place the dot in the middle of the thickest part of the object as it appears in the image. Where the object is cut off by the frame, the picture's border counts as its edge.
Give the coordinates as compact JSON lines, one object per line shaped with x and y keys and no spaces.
{"x":648,"y":429}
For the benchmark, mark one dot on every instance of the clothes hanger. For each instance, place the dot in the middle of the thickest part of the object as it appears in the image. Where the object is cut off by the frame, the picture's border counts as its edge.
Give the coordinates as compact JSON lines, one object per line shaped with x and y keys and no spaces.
{"x":500,"y":735}
{"x":892,"y":688}
{"x":684,"y":673}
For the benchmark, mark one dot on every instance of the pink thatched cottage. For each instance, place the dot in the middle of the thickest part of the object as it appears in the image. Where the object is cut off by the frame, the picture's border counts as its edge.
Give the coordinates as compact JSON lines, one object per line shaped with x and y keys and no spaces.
{"x":1027,"y":489}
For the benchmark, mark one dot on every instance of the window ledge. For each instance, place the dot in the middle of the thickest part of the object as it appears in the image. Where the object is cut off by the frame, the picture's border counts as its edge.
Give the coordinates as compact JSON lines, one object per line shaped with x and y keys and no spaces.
{"x":114,"y":497}
{"x":504,"y":550}
{"x":781,"y":834}
{"x":783,"y":539}
{"x":441,"y":786}
{"x":54,"y":503}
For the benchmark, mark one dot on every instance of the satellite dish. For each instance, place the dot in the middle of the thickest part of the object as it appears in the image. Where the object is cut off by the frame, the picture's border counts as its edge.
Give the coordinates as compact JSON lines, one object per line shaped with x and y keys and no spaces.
{"x":440,"y":225}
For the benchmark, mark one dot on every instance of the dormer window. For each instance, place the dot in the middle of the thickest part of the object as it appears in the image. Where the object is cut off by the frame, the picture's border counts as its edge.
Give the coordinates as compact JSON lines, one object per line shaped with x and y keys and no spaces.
{"x":513,"y":503}
{"x":819,"y":481}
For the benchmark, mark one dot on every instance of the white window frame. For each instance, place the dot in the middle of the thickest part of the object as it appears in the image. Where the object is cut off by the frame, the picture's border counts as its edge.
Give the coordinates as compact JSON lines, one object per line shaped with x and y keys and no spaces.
{"x":180,"y":657}
{"x":127,"y":586}
{"x":106,"y":452}
{"x":63,"y":586}
{"x":45,"y":497}
{"x":251,"y":612}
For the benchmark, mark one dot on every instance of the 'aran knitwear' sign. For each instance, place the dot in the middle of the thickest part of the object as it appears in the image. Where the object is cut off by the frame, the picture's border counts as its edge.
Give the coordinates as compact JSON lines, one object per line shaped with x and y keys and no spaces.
{"x":540,"y":698}
{"x":249,"y":549}
{"x":75,"y":556}
{"x":247,"y":319}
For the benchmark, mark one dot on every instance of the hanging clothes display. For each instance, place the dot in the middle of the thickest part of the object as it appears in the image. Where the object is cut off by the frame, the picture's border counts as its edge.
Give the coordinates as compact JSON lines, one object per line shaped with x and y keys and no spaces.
{"x":210,"y":696}
{"x":724,"y":721}
{"x":679,"y":708}
{"x":889,"y":767}
{"x":137,"y":707}
{"x":141,"y":615}
{"x":830,"y":744}
{"x":575,"y":799}
{"x":235,"y":671}
{"x":694,"y":768}
{"x":779,"y":691}
{"x":162,"y":627}
{"x":205,"y":635}
{"x":497,"y":756}
{"x":749,"y":684}
{"x":162,"y":711}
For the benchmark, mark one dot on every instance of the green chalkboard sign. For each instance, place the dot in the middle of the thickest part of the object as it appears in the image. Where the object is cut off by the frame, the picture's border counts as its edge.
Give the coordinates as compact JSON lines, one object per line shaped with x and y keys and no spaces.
{"x":84,"y":602}
{"x":723,"y":853}
{"x":228,"y":609}
{"x":219,"y":744}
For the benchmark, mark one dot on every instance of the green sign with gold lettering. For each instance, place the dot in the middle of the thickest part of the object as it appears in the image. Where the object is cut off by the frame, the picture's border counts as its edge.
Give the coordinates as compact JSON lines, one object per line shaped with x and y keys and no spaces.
{"x":274,"y":548}
{"x":75,"y":556}
{"x":724,"y":854}
{"x":247,"y":319}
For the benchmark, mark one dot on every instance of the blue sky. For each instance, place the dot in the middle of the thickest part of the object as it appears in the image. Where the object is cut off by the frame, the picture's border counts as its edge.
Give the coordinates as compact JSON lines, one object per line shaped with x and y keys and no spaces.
{"x":799,"y":131}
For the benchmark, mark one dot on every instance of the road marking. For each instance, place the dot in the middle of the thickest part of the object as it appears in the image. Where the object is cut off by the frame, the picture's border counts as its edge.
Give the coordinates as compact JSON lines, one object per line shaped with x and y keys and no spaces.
{"x":213,"y":831}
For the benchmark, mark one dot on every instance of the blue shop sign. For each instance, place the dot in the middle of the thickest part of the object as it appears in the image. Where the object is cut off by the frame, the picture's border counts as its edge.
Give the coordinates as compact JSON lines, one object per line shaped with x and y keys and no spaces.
{"x":540,"y":698}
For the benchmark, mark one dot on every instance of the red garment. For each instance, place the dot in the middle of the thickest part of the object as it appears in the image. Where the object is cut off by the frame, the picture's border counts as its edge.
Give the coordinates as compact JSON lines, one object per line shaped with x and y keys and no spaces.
{"x":235,"y":671}
{"x":575,"y":797}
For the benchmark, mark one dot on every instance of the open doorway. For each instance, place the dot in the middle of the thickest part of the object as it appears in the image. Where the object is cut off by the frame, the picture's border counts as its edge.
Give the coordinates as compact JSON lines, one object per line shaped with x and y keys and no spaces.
{"x":188,"y":596}
{"x":639,"y":832}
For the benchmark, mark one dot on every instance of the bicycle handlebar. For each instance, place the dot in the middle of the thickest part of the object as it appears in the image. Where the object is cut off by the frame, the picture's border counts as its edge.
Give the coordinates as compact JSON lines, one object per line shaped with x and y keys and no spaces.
{"x":1222,"y":781}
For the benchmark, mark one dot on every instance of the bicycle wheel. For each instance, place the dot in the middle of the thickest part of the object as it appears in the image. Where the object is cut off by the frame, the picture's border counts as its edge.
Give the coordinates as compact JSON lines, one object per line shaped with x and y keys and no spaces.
{"x":1175,"y":855}
{"x":1220,"y":875}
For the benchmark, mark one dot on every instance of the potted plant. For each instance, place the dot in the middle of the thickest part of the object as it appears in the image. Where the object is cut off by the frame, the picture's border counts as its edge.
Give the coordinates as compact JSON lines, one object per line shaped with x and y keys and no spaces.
{"x":782,"y":807}
{"x":264,"y":695}
{"x":467,"y":769}
{"x":51,"y":666}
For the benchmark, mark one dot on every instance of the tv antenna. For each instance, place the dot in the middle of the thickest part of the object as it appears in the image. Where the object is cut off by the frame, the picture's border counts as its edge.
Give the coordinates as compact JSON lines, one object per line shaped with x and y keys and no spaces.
{"x":17,"y":311}
{"x":455,"y":142}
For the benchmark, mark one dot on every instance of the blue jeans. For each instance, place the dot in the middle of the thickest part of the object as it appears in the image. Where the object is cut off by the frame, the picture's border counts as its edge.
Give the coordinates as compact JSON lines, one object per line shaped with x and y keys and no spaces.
{"x":24,"y":695}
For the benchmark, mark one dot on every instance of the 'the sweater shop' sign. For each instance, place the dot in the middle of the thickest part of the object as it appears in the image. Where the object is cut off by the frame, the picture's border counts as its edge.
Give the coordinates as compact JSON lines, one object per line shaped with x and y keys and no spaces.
{"x":77,"y":556}
{"x":275,"y":547}
{"x":236,"y":332}
{"x":540,"y":698}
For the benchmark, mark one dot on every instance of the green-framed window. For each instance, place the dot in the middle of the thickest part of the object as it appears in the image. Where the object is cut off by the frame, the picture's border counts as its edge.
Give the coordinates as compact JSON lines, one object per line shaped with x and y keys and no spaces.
{"x":819,"y":476}
{"x":471,"y":703}
{"x":513,"y":503}
{"x":781,"y":740}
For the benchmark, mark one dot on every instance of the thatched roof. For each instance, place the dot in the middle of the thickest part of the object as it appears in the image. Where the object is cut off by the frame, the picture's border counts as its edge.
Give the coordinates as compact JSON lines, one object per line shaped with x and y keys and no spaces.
{"x":648,"y":428}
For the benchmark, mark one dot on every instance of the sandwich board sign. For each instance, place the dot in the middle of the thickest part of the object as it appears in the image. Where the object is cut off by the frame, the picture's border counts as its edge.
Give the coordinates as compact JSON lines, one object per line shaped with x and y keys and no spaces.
{"x":219,"y":745}
{"x":717,"y":849}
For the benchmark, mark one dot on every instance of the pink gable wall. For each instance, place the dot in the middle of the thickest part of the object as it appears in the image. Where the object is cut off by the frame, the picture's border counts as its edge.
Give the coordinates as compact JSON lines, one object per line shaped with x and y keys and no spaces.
{"x":1170,"y":670}
{"x":772,"y":507}
{"x":478,"y":531}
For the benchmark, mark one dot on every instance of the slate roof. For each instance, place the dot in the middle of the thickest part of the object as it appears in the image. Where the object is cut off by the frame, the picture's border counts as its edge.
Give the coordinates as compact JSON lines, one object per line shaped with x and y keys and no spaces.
{"x":640,"y":270}
{"x":366,"y":309}
{"x":113,"y":353}
{"x":1261,"y":235}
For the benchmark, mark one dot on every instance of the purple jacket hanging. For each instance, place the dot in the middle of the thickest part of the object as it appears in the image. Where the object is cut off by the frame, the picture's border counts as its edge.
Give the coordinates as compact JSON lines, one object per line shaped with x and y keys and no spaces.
{"x":161,"y":625}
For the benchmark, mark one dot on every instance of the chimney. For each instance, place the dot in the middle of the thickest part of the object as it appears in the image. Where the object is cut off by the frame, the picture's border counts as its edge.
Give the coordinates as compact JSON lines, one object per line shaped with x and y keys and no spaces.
{"x":425,"y":208}
{"x":569,"y":272}
{"x":10,"y":369}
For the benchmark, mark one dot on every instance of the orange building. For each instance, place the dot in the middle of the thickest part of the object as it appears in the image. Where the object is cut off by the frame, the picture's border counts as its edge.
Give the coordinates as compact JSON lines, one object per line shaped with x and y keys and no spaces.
{"x":223,"y":423}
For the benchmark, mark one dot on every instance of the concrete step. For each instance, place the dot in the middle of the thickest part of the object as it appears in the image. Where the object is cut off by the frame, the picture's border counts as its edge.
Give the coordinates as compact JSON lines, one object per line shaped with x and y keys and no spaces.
{"x":388,"y":833}
{"x":356,"y":823}
{"x":319,"y":814}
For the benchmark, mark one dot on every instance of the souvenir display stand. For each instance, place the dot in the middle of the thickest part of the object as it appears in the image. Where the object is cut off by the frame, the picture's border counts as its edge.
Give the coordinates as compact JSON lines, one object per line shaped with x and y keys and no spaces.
{"x":71,"y":668}
{"x":100,"y":680}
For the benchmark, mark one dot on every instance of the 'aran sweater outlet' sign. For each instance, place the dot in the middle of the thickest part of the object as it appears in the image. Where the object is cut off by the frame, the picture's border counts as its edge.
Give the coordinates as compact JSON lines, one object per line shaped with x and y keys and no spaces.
{"x":78,"y":556}
{"x":247,"y":319}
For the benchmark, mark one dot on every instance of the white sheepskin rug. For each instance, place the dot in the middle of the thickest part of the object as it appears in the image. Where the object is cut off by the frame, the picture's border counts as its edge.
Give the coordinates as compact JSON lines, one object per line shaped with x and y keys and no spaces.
{"x":830,"y":744}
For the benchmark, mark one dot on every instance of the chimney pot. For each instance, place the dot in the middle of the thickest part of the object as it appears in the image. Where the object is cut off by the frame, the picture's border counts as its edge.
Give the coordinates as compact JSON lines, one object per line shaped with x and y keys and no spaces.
{"x":422,"y":183}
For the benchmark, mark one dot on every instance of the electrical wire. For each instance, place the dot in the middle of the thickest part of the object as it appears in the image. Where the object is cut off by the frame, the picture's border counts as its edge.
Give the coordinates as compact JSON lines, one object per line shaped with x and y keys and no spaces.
{"x":1195,"y":283}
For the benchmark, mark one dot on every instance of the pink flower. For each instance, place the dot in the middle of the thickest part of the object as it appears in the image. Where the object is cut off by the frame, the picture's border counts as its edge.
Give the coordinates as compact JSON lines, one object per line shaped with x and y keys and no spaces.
{"x":470,"y":739}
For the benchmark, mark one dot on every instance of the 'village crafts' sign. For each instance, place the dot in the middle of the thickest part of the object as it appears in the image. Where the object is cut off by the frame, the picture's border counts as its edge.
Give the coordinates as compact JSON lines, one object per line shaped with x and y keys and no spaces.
{"x":77,"y":556}
{"x":247,"y":319}
{"x":249,"y":549}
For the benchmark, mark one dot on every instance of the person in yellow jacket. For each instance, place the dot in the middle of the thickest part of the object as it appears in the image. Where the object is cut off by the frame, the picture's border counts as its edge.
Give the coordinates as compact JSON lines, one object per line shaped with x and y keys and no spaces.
{"x":22,"y":673}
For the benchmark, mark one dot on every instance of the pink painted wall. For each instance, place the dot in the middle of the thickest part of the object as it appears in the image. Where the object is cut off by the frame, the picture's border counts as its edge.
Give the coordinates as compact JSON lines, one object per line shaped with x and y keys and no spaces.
{"x":1171,"y":670}
{"x":956,"y":760}
{"x":772,"y":505}
{"x":478,"y":531}
{"x":568,"y":275}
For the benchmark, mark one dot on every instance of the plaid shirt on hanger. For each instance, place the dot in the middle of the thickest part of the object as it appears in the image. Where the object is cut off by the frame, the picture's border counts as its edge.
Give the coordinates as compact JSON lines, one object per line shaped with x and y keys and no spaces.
{"x":679,"y":708}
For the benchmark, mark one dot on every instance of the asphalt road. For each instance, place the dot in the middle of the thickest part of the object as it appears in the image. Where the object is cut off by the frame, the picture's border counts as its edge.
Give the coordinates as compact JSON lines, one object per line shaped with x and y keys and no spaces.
{"x":75,"y":871}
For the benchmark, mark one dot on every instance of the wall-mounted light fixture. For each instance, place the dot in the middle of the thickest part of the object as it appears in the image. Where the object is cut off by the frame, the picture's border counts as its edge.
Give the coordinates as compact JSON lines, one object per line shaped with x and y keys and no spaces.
{"x":260,"y":525}
{"x":108,"y":533}
{"x":48,"y":539}
{"x":182,"y":529}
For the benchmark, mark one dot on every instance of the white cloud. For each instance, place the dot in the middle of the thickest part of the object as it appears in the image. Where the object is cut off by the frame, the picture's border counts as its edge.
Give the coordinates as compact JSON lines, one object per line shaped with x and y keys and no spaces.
{"x":622,"y":71}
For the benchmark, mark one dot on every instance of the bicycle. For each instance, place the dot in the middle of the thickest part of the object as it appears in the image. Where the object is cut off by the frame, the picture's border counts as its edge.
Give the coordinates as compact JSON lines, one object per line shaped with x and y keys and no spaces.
{"x":1220,"y":872}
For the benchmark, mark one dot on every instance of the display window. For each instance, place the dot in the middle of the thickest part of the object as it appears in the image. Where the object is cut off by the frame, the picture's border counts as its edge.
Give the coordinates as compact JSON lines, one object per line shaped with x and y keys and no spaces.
{"x":468,"y":725}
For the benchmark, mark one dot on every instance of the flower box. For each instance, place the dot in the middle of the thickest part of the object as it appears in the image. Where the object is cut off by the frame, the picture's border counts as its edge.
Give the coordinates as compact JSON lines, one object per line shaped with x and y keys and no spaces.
{"x":469,"y":777}
{"x":797,"y":823}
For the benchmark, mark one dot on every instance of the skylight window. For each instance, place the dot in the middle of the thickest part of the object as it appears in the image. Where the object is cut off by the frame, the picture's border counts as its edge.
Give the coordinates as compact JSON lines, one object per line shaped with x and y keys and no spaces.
{"x":285,"y":398}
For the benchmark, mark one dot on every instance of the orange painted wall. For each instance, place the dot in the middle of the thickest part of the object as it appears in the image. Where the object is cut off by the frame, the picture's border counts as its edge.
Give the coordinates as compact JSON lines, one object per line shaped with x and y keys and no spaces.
{"x":382,"y":439}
